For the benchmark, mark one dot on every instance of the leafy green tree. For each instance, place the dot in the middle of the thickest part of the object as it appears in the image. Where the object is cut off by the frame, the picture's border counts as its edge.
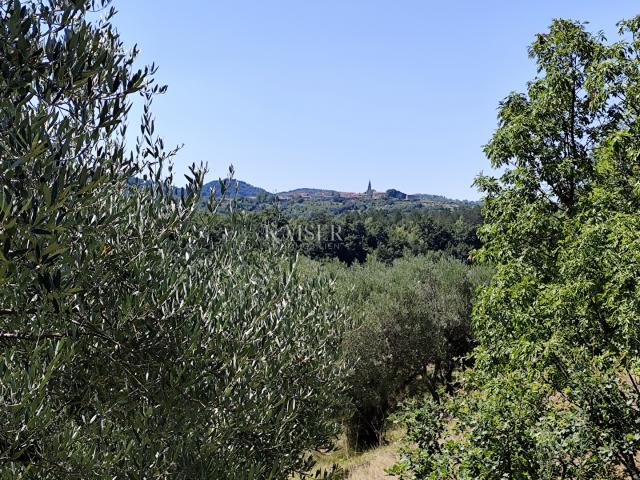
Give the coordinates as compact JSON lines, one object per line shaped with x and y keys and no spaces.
{"x":137,"y":338}
{"x":554,"y":393}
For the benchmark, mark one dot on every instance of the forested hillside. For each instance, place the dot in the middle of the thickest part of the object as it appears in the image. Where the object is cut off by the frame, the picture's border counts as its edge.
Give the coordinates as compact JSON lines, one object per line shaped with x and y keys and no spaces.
{"x":232,"y":188}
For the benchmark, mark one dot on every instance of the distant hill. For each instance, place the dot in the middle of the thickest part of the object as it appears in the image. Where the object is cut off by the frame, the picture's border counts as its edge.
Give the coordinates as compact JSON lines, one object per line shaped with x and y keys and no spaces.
{"x":236,"y":188}
{"x":243,"y":190}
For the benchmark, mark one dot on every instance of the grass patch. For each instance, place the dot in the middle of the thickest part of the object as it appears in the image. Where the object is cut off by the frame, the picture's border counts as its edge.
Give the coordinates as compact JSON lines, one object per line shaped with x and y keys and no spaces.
{"x":367,"y":465}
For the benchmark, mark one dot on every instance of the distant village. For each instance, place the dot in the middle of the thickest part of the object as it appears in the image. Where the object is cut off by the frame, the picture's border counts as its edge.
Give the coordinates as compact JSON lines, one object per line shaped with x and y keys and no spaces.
{"x":369,"y":194}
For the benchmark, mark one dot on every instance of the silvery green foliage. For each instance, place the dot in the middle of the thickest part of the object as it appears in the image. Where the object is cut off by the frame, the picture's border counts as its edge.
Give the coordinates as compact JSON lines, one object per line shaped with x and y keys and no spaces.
{"x":411,"y":329}
{"x":135,"y":342}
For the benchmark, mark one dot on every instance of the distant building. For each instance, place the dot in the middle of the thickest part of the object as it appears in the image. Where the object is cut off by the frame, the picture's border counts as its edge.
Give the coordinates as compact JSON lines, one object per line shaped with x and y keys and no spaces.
{"x":369,"y":191}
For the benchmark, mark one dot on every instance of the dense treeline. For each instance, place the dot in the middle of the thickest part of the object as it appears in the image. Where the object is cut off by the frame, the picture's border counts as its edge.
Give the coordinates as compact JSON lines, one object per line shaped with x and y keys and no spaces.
{"x":354,"y":237}
{"x":388,"y":236}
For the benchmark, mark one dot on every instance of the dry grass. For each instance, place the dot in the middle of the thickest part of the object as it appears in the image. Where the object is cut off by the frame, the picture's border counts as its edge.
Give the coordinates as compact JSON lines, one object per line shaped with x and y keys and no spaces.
{"x":372,"y":465}
{"x":369,"y":465}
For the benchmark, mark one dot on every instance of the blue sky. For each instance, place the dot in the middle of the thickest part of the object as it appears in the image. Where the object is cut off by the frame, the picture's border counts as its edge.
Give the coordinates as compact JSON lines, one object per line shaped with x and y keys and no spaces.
{"x":332,"y":93}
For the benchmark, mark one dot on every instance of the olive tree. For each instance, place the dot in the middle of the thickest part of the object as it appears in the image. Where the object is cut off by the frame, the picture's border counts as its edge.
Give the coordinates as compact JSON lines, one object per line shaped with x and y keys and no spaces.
{"x":410,"y":328}
{"x":136,"y":339}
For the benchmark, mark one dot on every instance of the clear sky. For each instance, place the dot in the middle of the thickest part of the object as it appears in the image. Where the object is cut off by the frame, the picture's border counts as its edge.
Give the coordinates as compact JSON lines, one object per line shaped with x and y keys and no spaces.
{"x":332,"y":93}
